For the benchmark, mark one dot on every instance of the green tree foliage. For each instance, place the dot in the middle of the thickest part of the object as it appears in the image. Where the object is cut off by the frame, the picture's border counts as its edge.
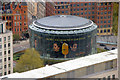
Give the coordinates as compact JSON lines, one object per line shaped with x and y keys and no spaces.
{"x":115,"y":18}
{"x":28,"y":61}
{"x":16,"y":37}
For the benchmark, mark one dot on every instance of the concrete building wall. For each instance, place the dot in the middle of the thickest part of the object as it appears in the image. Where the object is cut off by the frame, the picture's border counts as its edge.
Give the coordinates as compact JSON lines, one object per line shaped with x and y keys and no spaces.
{"x":6,"y":43}
{"x":99,"y":70}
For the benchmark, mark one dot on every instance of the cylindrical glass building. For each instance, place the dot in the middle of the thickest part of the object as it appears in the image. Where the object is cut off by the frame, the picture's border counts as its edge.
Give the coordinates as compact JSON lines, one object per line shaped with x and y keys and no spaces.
{"x":63,"y":36}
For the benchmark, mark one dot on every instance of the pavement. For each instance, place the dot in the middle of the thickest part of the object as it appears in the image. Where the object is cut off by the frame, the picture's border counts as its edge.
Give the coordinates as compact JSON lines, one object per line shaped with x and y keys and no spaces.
{"x":21,"y":45}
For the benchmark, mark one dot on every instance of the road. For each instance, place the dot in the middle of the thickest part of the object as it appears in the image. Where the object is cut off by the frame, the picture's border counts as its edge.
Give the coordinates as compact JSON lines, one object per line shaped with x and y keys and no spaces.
{"x":21,"y":46}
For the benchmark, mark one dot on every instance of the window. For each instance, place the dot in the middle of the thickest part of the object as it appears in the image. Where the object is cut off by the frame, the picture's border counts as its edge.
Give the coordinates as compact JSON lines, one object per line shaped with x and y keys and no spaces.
{"x":92,"y":8}
{"x":105,"y":31}
{"x":20,"y":23}
{"x":81,"y":4}
{"x":108,"y":65}
{"x":0,"y":60}
{"x":90,"y":70}
{"x":24,"y":17}
{"x":98,"y":17}
{"x":0,"y":39}
{"x":5,"y":52}
{"x":105,"y":3}
{"x":8,"y":37}
{"x":8,"y":72}
{"x":109,"y":12}
{"x":92,"y":3}
{"x":108,"y":25}
{"x":8,"y":65}
{"x":98,"y":8}
{"x":81,"y":8}
{"x":4,"y":45}
{"x":4,"y":59}
{"x":8,"y":44}
{"x":62,"y":12}
{"x":101,"y":13}
{"x":101,"y":4}
{"x":17,"y":17}
{"x":98,"y":13}
{"x":77,"y":13}
{"x":109,"y":17}
{"x":4,"y":38}
{"x":105,"y":12}
{"x":58,"y":7}
{"x":89,"y":12}
{"x":0,"y":53}
{"x":66,"y":11}
{"x":101,"y":21}
{"x":14,"y":17}
{"x":10,"y":24}
{"x":108,"y":21}
{"x":8,"y":58}
{"x":0,"y":46}
{"x":97,"y":31}
{"x":4,"y":66}
{"x":113,"y":76}
{"x":101,"y":31}
{"x":85,"y":8}
{"x":66,"y":6}
{"x":104,"y":17}
{"x":15,"y":23}
{"x":89,"y":3}
{"x":25,"y":22}
{"x":77,"y":9}
{"x":77,"y":4}
{"x":7,"y":24}
{"x":15,"y":29}
{"x":85,"y":12}
{"x":5,"y":73}
{"x":101,"y":26}
{"x":89,"y":8}
{"x":62,"y":7}
{"x":108,"y":30}
{"x":74,"y":5}
{"x":105,"y":8}
{"x":109,"y":8}
{"x":8,"y":51}
{"x":24,"y":11}
{"x":104,"y":21}
{"x":92,"y":12}
{"x":101,"y":17}
{"x":20,"y":17}
{"x":81,"y":13}
{"x":98,"y":21}
{"x":85,"y":4}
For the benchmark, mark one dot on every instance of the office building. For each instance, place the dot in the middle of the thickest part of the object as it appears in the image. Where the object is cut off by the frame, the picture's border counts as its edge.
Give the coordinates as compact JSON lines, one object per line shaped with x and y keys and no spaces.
{"x":16,"y":15}
{"x":6,"y":50}
{"x":100,"y":13}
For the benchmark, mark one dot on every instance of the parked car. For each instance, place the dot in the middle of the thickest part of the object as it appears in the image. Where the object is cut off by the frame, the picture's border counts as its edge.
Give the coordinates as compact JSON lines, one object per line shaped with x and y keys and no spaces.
{"x":106,"y":48}
{"x":102,"y":45}
{"x":113,"y":48}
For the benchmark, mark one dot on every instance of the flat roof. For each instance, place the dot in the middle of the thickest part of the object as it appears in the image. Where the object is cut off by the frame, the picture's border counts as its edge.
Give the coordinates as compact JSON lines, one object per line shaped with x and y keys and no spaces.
{"x":62,"y":22}
{"x":67,"y":65}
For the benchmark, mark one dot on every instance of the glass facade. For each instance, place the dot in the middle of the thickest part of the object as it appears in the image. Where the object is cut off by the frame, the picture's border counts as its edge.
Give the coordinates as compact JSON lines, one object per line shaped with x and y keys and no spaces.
{"x":64,"y":44}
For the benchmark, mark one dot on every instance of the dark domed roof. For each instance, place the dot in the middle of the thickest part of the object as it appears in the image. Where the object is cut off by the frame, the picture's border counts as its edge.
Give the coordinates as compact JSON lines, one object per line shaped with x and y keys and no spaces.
{"x":62,"y":22}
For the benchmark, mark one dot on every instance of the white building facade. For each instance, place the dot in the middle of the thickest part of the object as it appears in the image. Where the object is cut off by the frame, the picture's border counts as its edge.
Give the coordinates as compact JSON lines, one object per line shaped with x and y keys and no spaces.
{"x":6,"y":50}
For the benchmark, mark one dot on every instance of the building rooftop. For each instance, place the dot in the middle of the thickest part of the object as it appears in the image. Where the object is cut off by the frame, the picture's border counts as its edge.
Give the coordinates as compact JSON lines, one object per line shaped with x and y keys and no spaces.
{"x":63,"y":22}
{"x":66,"y":66}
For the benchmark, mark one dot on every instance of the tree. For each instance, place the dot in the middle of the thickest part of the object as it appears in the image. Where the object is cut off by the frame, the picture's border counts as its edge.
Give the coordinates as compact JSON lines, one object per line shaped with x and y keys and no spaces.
{"x":16,"y":37}
{"x":115,"y":18}
{"x":28,"y":61}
